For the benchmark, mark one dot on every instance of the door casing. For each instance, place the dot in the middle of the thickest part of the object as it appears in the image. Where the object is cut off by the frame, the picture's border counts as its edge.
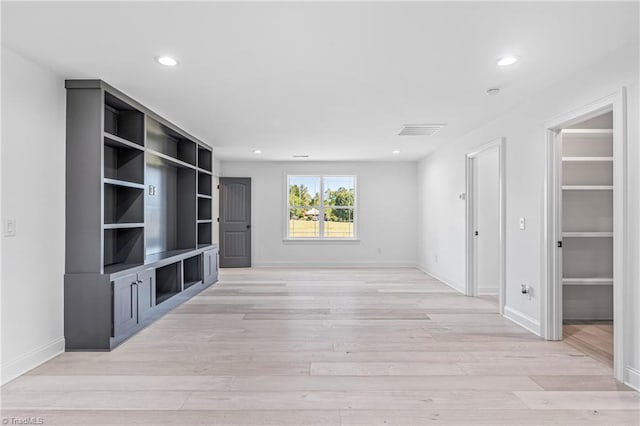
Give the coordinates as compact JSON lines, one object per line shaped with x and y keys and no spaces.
{"x":470,"y":285}
{"x":551,"y":288}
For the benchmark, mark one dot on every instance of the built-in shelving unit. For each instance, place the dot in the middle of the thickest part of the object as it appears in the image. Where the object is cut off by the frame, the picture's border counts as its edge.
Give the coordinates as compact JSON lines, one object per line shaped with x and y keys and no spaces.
{"x":587,"y":223}
{"x":139,"y":228}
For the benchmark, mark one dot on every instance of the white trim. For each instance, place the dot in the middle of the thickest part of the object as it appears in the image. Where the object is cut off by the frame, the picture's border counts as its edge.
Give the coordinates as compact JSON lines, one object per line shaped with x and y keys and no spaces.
{"x":450,"y":283}
{"x":334,"y":264}
{"x":524,"y":321}
{"x":470,"y":287}
{"x":551,"y":289}
{"x":31,"y":360}
{"x":632,"y":378}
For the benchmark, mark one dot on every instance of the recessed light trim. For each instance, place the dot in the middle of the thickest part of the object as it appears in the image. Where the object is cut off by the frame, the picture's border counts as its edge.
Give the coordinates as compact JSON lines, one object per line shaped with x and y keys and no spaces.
{"x":493,"y":91}
{"x":395,"y":152}
{"x":167,"y":61}
{"x":257,"y":151}
{"x":507,"y":61}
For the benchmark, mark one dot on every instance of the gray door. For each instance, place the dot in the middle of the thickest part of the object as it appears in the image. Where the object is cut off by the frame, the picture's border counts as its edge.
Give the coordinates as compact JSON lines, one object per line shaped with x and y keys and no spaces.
{"x":235,"y":222}
{"x":125,"y":305}
{"x":210,"y":266}
{"x":146,"y":292}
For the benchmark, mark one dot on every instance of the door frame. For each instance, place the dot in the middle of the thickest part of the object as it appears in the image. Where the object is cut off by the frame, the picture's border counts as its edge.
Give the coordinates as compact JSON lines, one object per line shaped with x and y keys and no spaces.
{"x":551,"y":289}
{"x":470,"y":285}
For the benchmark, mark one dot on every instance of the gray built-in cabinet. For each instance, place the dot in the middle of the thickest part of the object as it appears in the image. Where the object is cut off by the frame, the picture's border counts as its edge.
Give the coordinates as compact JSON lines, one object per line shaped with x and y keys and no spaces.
{"x":138,"y":216}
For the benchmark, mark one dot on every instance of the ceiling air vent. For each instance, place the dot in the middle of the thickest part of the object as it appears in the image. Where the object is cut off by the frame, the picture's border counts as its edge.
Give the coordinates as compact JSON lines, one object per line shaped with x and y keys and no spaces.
{"x":420,"y":129}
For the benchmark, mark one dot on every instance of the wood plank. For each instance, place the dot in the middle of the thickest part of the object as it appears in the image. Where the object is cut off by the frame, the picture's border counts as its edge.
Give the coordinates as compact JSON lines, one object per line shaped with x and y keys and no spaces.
{"x":329,"y":347}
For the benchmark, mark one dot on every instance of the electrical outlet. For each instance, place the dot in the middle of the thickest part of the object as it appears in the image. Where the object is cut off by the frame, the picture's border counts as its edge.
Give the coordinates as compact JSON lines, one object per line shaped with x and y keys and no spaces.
{"x":523,"y":224}
{"x":10,"y":228}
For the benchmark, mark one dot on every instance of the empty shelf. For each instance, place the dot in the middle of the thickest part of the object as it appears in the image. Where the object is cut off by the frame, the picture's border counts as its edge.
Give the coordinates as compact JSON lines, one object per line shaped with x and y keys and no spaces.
{"x":123,"y":183}
{"x":173,"y":161}
{"x":123,"y":225}
{"x":587,"y":281}
{"x":575,"y":160}
{"x":587,"y":132}
{"x":118,"y":142}
{"x":587,"y":234}
{"x":587,"y":187}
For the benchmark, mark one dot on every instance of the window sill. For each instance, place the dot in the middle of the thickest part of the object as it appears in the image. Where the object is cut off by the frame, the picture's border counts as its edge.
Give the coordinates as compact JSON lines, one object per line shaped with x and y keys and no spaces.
{"x":320,"y":240}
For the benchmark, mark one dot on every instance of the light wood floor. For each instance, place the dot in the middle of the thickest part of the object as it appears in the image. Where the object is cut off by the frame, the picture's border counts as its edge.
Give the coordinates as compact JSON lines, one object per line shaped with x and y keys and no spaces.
{"x":327,"y":347}
{"x":594,"y":339}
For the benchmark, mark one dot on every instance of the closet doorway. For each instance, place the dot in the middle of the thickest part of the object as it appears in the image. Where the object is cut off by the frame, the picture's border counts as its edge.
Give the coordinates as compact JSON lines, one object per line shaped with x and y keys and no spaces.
{"x":485,"y":220}
{"x":585,"y":232}
{"x":587,"y":235}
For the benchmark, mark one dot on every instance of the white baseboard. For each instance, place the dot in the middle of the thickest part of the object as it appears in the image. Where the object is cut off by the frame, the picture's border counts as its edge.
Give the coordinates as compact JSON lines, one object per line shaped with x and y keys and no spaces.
{"x":453,"y":285}
{"x":632,"y":378}
{"x":333,"y":264}
{"x":31,"y":360}
{"x":522,"y":320}
{"x":488,"y":292}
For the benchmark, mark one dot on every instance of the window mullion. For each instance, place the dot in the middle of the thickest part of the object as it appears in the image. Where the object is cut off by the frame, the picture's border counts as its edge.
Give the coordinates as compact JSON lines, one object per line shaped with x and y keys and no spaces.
{"x":321,"y":212}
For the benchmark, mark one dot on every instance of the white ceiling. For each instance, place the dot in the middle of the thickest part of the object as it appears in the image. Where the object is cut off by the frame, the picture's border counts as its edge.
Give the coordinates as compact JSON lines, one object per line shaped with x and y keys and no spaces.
{"x":332,"y":80}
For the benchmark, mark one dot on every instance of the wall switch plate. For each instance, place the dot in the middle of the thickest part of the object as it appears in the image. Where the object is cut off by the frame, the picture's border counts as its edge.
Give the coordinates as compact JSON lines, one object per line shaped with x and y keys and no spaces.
{"x":10,"y":228}
{"x":523,"y":224}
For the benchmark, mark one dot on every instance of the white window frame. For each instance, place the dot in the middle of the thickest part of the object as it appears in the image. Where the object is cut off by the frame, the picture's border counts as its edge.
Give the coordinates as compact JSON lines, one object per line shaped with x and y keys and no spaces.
{"x":321,"y":207}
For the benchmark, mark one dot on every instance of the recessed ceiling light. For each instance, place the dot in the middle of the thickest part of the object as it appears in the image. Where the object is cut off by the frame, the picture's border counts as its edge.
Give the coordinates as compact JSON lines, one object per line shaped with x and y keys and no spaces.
{"x":301,"y":156}
{"x":493,"y":91}
{"x":167,"y":61}
{"x":507,"y":60}
{"x":395,"y":152}
{"x":257,"y":151}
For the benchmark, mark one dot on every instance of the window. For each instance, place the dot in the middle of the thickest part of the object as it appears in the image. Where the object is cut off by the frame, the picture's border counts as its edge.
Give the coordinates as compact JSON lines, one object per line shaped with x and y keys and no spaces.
{"x":321,"y":207}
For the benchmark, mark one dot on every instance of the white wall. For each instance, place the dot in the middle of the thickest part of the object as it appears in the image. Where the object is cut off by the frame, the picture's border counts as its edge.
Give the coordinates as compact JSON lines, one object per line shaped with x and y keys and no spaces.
{"x":441,"y":177}
{"x":33,"y":179}
{"x":387,"y":214}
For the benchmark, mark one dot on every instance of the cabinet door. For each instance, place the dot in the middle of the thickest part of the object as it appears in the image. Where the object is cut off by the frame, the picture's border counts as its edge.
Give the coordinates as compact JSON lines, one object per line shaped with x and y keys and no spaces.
{"x":125,"y":305}
{"x":210,"y":266}
{"x":146,"y":292}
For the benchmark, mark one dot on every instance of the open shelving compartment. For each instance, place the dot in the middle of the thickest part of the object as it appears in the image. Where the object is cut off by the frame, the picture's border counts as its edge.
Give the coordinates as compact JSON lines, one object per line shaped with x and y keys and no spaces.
{"x":193,"y":271}
{"x":168,"y":281}
{"x":123,"y":205}
{"x":123,"y":120}
{"x":205,"y":159}
{"x":171,"y":202}
{"x":204,"y":209}
{"x":204,"y":234}
{"x":123,"y":248}
{"x":587,"y":223}
{"x":204,"y":183}
{"x":169,"y":144}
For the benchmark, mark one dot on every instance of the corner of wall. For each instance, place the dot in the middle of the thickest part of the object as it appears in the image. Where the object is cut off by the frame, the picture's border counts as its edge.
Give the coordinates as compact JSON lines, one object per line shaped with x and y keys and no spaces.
{"x":523,"y":320}
{"x":31,"y":360}
{"x":632,"y":378}
{"x":454,"y":285}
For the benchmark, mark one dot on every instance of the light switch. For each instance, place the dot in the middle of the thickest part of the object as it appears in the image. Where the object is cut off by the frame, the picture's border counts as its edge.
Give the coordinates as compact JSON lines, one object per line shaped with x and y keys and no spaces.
{"x":10,"y":228}
{"x":522,"y":223}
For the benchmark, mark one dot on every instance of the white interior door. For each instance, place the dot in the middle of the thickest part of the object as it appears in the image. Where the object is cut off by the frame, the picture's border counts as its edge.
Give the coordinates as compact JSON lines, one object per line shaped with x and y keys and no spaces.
{"x":486,"y":221}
